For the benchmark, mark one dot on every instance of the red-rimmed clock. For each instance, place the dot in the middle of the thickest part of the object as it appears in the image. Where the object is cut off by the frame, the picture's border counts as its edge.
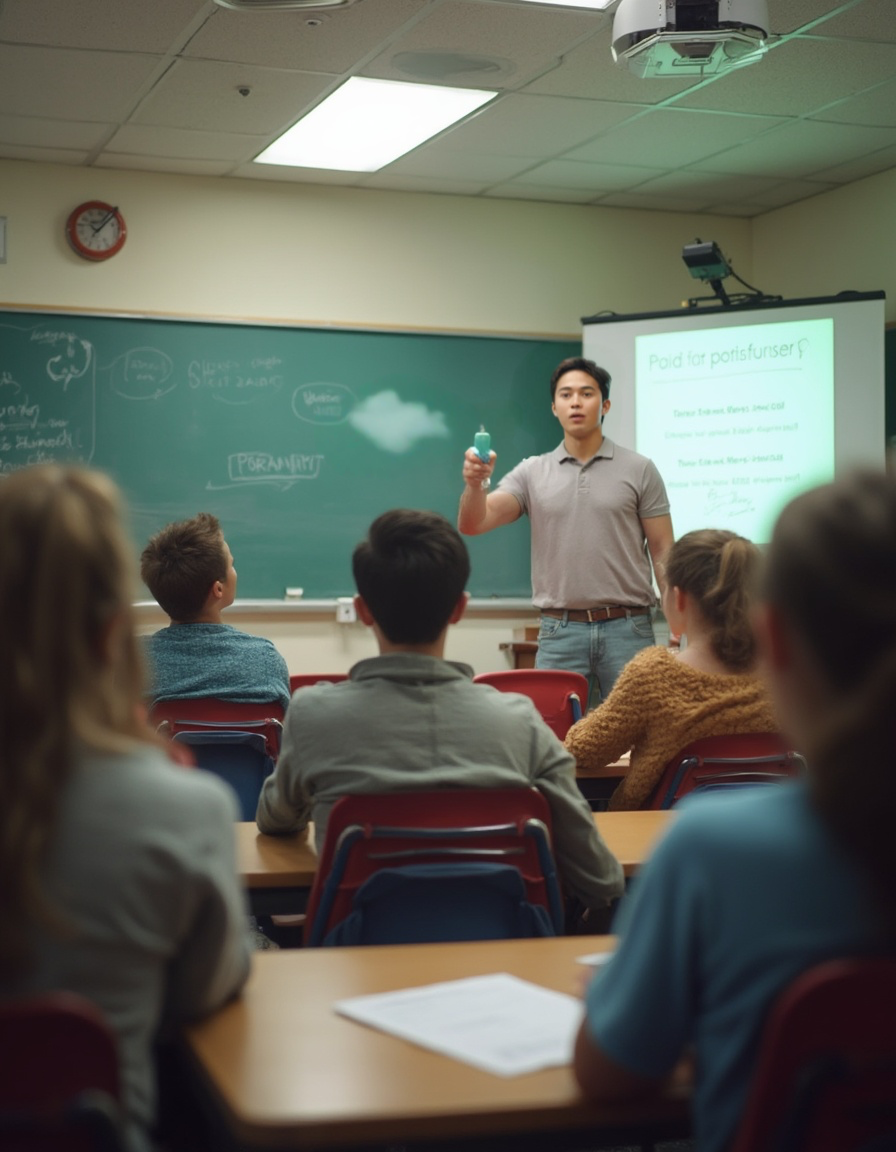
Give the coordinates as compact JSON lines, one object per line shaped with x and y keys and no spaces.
{"x":96,"y":230}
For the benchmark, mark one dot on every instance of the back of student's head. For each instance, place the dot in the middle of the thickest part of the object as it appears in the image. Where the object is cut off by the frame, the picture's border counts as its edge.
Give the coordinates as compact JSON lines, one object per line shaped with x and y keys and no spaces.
{"x":180,"y":564}
{"x":70,"y":673}
{"x":719,"y":570}
{"x":411,"y":569}
{"x":831,"y":574}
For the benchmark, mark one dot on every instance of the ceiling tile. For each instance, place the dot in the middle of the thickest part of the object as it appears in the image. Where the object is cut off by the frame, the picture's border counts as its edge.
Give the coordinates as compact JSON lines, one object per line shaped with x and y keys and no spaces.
{"x":859,"y":168}
{"x":182,"y":164}
{"x":789,"y":15}
{"x":708,"y":186}
{"x":455,"y":166}
{"x":61,"y":84}
{"x":799,"y":149}
{"x":397,"y":183}
{"x":148,"y":141}
{"x":538,"y":192}
{"x":523,"y":125}
{"x":734,"y":209}
{"x":589,"y":71}
{"x":203,"y":94}
{"x":672,"y":137}
{"x":296,"y":175}
{"x":652,"y":203}
{"x":797,"y":78}
{"x":316,"y":41}
{"x":530,"y":38}
{"x":63,"y":134}
{"x":870,"y":20}
{"x":107,"y":25}
{"x":575,"y":174}
{"x":877,"y":106}
{"x":789,"y":191}
{"x":44,"y":155}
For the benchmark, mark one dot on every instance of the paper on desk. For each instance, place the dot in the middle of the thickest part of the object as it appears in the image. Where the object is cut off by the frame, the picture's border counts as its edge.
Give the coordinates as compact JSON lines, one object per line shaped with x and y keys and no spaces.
{"x":498,"y":1023}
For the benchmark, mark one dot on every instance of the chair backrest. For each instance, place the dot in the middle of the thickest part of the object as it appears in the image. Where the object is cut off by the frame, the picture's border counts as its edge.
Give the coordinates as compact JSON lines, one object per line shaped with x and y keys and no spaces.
{"x":368,"y":833}
{"x":241,"y":758}
{"x":718,"y":762}
{"x":169,"y":717}
{"x":306,"y":679}
{"x":825,"y":1079}
{"x":59,"y":1077}
{"x":559,"y":696}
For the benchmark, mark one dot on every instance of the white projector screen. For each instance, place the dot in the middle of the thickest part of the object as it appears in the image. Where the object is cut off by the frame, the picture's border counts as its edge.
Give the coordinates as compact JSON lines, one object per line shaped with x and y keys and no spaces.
{"x":742,"y":408}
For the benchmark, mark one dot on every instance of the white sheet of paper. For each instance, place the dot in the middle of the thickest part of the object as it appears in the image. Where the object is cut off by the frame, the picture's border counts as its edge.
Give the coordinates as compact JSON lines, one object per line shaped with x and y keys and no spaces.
{"x":498,"y":1023}
{"x":594,"y":959}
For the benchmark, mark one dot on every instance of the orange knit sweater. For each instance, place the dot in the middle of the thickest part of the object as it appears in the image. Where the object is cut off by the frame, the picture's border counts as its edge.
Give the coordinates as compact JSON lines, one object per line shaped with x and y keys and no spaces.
{"x":657,"y":707}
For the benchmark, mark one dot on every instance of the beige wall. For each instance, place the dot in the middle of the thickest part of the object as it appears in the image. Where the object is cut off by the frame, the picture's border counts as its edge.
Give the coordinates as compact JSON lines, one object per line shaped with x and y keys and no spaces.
{"x":844,"y":240}
{"x":307,"y":253}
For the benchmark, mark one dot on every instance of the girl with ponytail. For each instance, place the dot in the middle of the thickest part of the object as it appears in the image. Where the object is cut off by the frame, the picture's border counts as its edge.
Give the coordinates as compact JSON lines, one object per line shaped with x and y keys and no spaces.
{"x":662,"y":701}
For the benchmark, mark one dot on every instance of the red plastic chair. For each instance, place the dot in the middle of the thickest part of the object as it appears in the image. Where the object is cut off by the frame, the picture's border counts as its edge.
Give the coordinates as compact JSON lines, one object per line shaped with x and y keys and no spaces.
{"x":370,"y":832}
{"x":59,"y":1077}
{"x":557,"y":695}
{"x":169,"y":717}
{"x":717,"y":762}
{"x":306,"y":679}
{"x":826,"y":1075}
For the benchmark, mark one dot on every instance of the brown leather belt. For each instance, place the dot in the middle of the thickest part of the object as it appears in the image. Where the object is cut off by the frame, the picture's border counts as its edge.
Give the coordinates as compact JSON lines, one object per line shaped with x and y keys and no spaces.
{"x":594,"y":615}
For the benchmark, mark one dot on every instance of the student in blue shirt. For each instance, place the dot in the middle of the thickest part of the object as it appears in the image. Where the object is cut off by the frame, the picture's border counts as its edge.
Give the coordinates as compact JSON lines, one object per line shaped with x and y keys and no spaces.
{"x":188,"y":568}
{"x":748,"y":890}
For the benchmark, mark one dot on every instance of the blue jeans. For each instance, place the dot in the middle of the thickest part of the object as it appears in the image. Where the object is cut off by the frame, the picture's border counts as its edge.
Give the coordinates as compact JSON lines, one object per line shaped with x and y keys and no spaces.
{"x":599,"y":651}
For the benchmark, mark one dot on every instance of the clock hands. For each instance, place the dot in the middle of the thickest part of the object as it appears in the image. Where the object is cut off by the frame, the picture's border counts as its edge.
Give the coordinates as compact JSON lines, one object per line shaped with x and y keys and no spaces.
{"x":105,"y":220}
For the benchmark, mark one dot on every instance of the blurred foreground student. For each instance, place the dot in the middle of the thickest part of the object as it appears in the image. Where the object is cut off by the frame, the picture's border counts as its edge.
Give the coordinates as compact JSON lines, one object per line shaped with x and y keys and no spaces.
{"x":663,"y":700}
{"x":409,"y":719}
{"x":188,"y":568}
{"x":748,"y":890}
{"x":117,"y":867}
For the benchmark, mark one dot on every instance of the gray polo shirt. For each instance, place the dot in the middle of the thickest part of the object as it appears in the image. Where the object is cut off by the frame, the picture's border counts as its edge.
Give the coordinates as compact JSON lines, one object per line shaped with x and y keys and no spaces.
{"x":588,"y":545}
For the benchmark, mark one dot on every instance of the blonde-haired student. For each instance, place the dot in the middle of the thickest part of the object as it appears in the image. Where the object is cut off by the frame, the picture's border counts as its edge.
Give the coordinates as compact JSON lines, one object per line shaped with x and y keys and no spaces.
{"x":117,"y":866}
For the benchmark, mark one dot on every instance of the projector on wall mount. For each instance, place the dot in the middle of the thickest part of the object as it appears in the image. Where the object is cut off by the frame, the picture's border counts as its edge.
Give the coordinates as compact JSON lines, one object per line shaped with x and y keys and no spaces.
{"x":282,"y":5}
{"x":667,"y":38}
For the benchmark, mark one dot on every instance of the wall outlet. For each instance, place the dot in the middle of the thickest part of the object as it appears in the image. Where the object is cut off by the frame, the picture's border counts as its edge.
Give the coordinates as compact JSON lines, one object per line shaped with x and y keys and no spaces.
{"x":345,"y":610}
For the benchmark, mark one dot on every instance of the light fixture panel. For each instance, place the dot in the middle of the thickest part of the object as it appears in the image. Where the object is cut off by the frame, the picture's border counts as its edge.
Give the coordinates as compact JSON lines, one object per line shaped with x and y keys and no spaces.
{"x":281,"y":5}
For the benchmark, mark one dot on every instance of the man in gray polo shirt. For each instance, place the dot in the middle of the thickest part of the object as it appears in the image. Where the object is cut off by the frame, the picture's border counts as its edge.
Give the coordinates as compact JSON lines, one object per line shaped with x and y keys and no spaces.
{"x":596,"y":510}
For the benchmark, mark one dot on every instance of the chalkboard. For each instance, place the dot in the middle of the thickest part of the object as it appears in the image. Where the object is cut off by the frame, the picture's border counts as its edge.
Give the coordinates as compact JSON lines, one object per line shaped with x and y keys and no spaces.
{"x":294,"y":437}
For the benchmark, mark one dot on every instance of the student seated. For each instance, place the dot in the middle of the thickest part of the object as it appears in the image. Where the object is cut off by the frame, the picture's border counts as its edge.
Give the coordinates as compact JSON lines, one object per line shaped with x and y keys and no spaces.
{"x":409,"y":719}
{"x":118,"y":867}
{"x":663,"y":700}
{"x":746,"y":891}
{"x":188,"y":568}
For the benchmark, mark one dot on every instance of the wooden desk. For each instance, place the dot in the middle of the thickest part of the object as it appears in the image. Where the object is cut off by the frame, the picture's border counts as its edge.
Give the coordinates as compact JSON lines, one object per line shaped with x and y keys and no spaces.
{"x":282,"y":1070}
{"x":290,"y":862}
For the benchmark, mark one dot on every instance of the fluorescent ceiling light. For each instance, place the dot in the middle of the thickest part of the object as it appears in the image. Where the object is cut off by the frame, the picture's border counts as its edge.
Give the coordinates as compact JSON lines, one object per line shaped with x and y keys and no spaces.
{"x":597,"y":4}
{"x":366,"y":124}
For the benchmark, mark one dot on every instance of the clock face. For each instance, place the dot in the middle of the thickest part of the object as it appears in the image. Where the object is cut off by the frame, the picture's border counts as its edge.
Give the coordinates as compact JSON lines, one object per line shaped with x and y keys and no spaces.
{"x":96,"y":230}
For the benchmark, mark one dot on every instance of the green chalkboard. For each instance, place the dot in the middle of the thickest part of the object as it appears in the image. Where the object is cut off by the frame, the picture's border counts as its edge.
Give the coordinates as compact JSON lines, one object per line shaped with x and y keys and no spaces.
{"x":294,"y":437}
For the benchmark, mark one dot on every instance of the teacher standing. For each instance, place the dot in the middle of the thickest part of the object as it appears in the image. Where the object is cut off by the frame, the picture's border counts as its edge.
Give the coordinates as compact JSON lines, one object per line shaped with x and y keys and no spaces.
{"x":599,"y":516}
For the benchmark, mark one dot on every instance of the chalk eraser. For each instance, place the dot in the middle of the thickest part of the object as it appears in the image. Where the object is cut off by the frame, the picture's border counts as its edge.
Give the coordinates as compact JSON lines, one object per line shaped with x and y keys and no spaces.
{"x":295,"y":593}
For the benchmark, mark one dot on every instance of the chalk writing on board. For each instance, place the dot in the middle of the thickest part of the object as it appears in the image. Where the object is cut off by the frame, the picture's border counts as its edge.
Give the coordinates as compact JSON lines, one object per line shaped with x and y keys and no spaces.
{"x":395,"y":425}
{"x":228,"y":382}
{"x":73,"y":362}
{"x":142,"y":374}
{"x":323,"y":403}
{"x":39,"y":421}
{"x":264,"y":468}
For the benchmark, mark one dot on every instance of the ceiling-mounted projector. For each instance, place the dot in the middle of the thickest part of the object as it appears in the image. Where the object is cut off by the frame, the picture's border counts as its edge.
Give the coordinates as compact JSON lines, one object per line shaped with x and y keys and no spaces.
{"x":668,"y":38}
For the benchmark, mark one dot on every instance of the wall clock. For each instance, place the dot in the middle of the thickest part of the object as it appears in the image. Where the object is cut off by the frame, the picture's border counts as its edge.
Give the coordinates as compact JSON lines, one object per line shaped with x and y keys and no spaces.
{"x":96,"y":230}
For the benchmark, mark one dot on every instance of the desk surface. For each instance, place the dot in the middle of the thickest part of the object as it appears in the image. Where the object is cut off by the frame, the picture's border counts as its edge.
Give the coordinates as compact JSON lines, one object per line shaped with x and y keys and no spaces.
{"x":283,"y":1070}
{"x":291,"y":862}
